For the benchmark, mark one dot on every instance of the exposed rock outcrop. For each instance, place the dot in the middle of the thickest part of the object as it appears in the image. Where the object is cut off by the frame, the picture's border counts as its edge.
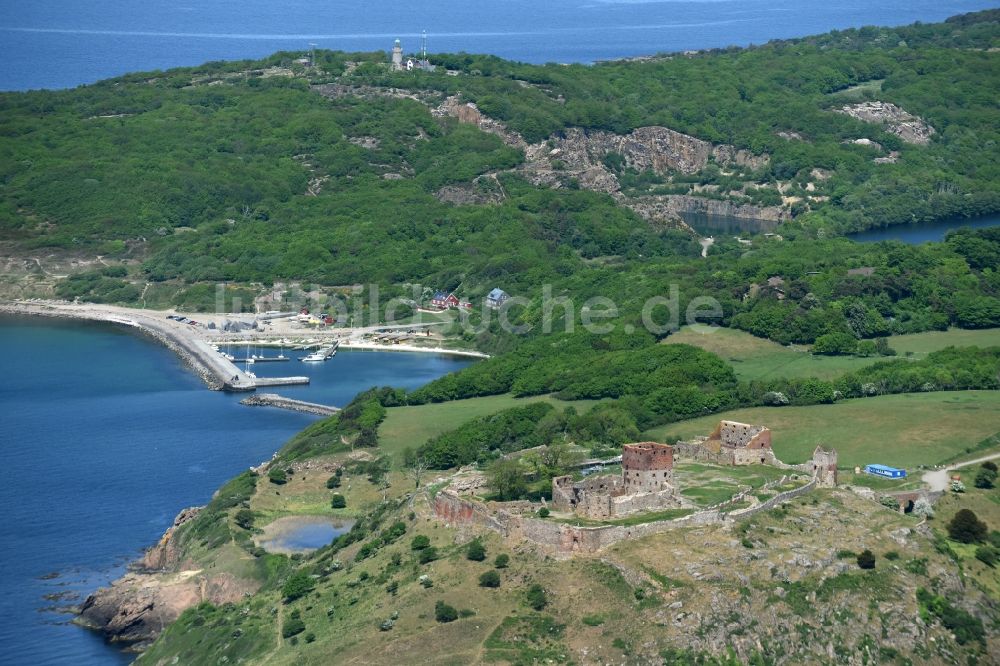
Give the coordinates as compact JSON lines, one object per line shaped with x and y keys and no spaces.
{"x":140,"y":604}
{"x":577,"y":156}
{"x":906,"y":126}
{"x":165,"y":554}
{"x":485,"y":189}
{"x":660,"y":209}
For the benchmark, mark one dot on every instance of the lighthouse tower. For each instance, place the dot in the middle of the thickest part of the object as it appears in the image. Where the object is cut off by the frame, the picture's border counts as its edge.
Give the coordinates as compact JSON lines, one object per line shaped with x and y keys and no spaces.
{"x":397,"y":57}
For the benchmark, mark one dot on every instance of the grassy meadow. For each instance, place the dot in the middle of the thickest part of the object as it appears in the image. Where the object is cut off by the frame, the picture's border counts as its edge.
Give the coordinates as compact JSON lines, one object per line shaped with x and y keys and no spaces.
{"x":414,"y":425}
{"x":900,"y":430}
{"x":759,"y":358}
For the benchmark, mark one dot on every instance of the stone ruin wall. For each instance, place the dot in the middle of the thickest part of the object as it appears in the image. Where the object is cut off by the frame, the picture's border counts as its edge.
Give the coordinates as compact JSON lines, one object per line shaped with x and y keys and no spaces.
{"x":590,"y":497}
{"x":654,"y":501}
{"x":555,"y":537}
{"x":742,"y":435}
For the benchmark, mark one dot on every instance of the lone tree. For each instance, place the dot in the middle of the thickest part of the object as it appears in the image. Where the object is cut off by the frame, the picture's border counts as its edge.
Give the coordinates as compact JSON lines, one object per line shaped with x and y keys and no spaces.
{"x":866,"y":559}
{"x":490,"y":579}
{"x":333,"y":482}
{"x":444,"y":613}
{"x":506,"y":478}
{"x":966,"y":527}
{"x":244,"y":518}
{"x":475,"y":551}
{"x":415,"y":465}
{"x":299,"y":585}
{"x":985,"y":477}
{"x":338,"y":501}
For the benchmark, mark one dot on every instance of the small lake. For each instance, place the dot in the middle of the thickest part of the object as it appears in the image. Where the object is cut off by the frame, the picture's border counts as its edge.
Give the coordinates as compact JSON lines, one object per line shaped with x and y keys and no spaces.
{"x":301,"y":534}
{"x":712,"y":225}
{"x":926,"y":232}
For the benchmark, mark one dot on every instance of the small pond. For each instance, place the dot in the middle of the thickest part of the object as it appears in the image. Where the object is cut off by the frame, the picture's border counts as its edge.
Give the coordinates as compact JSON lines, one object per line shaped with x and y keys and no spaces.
{"x":301,"y":534}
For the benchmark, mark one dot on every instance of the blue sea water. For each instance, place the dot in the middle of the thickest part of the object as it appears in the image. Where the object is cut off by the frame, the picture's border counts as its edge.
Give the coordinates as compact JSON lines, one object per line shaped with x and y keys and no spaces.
{"x":64,"y":43}
{"x":104,"y":437}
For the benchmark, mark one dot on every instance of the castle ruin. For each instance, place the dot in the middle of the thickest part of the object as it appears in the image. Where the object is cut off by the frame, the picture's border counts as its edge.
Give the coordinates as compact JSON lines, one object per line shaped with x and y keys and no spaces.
{"x":824,"y":467}
{"x":731,"y":443}
{"x":645,"y":484}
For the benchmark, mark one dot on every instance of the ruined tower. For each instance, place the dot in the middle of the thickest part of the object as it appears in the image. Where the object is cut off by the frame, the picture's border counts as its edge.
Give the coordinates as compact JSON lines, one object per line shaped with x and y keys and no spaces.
{"x":647,"y":467}
{"x":825,"y":467}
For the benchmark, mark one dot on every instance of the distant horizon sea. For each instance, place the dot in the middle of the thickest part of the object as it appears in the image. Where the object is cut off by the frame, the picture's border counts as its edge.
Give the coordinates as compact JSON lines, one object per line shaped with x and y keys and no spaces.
{"x":66,"y":43}
{"x":104,"y":436}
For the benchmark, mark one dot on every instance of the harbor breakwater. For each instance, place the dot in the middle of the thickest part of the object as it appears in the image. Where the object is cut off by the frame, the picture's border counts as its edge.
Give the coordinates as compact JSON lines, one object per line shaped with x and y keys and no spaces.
{"x":275,"y":400}
{"x":217,"y":372}
{"x":195,"y":354}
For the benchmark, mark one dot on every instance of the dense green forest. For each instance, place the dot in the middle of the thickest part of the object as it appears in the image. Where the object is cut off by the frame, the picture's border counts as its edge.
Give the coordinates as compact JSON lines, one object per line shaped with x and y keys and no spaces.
{"x":243,"y":173}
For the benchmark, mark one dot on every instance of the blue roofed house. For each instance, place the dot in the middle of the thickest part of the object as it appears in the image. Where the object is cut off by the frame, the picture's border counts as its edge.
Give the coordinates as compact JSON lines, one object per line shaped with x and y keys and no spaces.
{"x":496,"y":298}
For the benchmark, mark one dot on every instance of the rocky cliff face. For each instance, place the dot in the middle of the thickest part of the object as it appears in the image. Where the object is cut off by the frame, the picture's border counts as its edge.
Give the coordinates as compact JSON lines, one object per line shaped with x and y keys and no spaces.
{"x":578,"y":156}
{"x":142,"y":603}
{"x":165,"y":554}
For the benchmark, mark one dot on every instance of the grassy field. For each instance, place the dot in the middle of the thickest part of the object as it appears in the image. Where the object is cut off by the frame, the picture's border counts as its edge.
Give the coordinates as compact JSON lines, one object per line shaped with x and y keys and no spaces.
{"x":414,"y":425}
{"x":758,"y":358}
{"x":985,"y":503}
{"x":900,"y":430}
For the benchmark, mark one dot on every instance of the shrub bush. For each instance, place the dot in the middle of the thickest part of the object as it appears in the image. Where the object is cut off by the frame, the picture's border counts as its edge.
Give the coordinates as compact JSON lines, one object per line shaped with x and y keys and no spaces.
{"x":444,"y":613}
{"x":298,"y":585}
{"x":536,"y":597}
{"x":277,"y":476}
{"x":420,"y":542}
{"x":988,"y":555}
{"x":966,"y":527}
{"x":428,"y":554}
{"x":338,"y":501}
{"x":490,"y":578}
{"x":475,"y":551}
{"x":333,"y":481}
{"x":293,"y":625}
{"x":866,"y":559}
{"x":985,"y":478}
{"x":502,"y":560}
{"x":244,"y":518}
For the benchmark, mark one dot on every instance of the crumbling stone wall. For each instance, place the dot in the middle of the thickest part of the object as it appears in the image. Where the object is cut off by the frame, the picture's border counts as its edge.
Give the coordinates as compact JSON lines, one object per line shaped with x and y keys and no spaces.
{"x":590,"y":497}
{"x":824,"y":467}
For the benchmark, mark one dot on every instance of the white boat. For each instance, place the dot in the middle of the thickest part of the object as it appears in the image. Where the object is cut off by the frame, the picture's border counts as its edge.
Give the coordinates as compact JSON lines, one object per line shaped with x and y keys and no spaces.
{"x":314,"y":358}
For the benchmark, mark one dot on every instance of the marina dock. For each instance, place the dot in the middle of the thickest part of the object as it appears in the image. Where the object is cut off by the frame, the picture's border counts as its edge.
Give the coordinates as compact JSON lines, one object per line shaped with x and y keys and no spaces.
{"x":234,"y":379}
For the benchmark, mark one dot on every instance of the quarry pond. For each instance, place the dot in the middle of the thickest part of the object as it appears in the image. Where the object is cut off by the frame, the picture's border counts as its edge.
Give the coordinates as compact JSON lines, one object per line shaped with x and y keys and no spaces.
{"x":104,"y":438}
{"x":301,"y":534}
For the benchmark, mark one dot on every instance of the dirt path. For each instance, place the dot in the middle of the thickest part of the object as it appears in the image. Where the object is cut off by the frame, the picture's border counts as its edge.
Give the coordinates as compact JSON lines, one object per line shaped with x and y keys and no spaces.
{"x":938,"y":479}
